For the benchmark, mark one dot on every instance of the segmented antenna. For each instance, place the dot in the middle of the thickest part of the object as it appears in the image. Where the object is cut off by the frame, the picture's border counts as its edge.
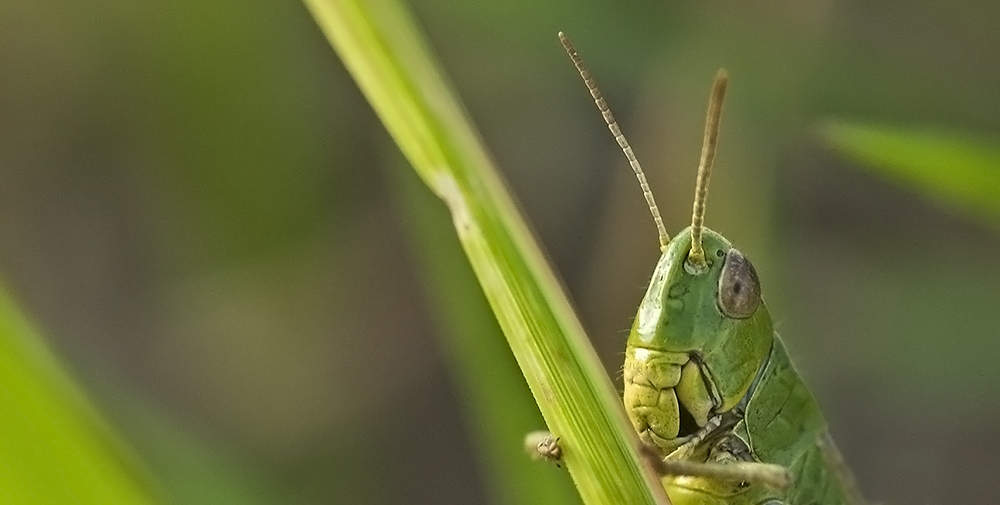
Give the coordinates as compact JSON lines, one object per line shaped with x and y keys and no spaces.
{"x":697,"y":255}
{"x":613,"y":126}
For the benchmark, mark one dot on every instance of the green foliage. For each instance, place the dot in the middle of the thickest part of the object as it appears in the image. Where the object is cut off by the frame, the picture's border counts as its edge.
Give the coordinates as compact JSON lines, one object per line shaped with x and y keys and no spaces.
{"x":958,"y":170}
{"x":498,"y":406}
{"x":56,"y":448}
{"x":383,"y":51}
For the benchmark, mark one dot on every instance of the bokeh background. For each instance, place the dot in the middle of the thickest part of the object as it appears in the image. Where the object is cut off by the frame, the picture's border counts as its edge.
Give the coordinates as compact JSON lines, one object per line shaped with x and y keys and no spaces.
{"x":198,"y":208}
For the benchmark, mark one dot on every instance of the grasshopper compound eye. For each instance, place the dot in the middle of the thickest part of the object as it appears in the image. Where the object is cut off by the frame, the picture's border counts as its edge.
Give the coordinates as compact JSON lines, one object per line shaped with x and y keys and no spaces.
{"x":739,"y":288}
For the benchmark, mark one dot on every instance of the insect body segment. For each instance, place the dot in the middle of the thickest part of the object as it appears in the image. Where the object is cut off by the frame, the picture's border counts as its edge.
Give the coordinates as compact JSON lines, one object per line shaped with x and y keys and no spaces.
{"x":708,"y":381}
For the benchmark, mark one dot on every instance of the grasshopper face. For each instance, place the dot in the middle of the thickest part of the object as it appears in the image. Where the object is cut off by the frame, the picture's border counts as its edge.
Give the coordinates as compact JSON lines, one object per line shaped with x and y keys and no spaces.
{"x":698,"y":340}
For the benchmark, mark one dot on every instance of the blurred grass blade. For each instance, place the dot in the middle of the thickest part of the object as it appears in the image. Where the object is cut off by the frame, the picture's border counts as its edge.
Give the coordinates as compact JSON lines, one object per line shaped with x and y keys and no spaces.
{"x":959,"y":171}
{"x":55,"y":447}
{"x":190,"y":468}
{"x":386,"y":56}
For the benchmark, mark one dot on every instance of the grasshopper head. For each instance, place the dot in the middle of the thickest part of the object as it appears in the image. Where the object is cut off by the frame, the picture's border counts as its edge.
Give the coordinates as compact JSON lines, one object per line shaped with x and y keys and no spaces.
{"x":700,"y":335}
{"x":702,"y":331}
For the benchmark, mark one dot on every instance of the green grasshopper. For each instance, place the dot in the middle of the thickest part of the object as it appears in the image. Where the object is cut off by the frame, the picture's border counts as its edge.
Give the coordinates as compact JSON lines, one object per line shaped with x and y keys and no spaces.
{"x":708,"y":383}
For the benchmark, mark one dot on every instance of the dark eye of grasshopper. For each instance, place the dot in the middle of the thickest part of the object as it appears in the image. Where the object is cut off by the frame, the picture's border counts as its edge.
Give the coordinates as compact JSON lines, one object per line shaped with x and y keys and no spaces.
{"x":739,"y":288}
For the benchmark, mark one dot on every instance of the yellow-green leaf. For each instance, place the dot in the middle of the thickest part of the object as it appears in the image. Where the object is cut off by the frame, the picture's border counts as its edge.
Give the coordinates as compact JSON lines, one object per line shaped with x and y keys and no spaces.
{"x":384,"y":52}
{"x":961,"y":171}
{"x":54,"y":447}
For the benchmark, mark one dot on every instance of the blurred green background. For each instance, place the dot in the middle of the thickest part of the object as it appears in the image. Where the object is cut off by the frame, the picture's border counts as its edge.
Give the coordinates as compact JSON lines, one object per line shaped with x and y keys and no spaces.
{"x":203,"y":214}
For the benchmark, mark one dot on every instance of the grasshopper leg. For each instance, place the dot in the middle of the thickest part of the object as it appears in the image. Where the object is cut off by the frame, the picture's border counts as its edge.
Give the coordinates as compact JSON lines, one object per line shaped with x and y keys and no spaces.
{"x":543,"y":445}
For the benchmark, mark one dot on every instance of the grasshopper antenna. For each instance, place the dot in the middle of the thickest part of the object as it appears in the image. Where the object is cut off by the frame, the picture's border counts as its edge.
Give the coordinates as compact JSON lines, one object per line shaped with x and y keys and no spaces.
{"x":613,"y":126}
{"x":697,"y":255}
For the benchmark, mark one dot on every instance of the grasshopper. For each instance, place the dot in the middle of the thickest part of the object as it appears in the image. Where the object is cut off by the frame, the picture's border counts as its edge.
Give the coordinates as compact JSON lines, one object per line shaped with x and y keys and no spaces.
{"x":708,"y":384}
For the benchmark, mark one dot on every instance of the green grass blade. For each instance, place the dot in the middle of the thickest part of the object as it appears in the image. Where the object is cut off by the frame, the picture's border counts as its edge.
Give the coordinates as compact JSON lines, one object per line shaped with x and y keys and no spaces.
{"x":959,"y":171}
{"x":55,"y":447}
{"x":498,"y":407}
{"x":388,"y":59}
